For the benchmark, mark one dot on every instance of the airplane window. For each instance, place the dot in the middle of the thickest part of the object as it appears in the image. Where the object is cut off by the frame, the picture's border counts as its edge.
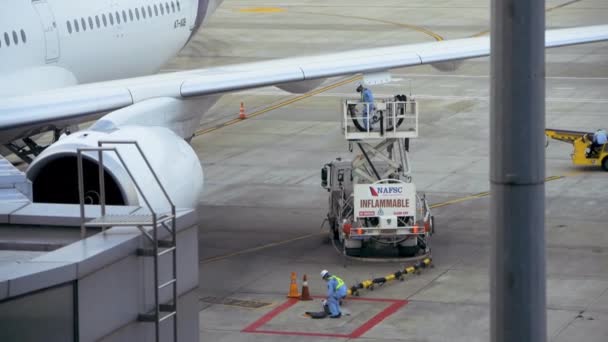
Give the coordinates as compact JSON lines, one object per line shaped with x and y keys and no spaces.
{"x":162,"y":9}
{"x":143,"y":12}
{"x":149,"y":11}
{"x":155,"y":10}
{"x":124,"y":16}
{"x":15,"y":38}
{"x":90,"y":23}
{"x":7,"y":40}
{"x":104,"y":19}
{"x":69,"y":25}
{"x":117,"y":18}
{"x":23,"y":37}
{"x":97,"y":21}
{"x":111,"y":17}
{"x":167,"y":7}
{"x":76,"y":27}
{"x":172,"y":6}
{"x":83,"y":23}
{"x":178,"y":6}
{"x":137,"y":13}
{"x":131,"y":15}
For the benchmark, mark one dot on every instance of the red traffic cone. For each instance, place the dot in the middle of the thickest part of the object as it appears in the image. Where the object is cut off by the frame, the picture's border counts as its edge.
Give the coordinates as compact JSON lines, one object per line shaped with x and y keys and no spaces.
{"x":305,"y":291}
{"x":242,"y":114}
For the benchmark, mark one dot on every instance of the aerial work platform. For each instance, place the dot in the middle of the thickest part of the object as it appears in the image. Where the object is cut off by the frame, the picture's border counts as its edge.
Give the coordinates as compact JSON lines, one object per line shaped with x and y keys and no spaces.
{"x":372,"y":198}
{"x":391,"y":118}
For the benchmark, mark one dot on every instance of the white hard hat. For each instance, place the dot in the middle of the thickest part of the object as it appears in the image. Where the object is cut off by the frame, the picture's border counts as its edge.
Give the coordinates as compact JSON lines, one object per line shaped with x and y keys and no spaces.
{"x":324,"y":273}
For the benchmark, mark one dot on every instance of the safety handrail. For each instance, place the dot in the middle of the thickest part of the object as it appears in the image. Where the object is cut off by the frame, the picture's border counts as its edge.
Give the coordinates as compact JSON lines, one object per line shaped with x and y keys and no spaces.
{"x":141,"y":152}
{"x":100,"y":149}
{"x":392,"y":122}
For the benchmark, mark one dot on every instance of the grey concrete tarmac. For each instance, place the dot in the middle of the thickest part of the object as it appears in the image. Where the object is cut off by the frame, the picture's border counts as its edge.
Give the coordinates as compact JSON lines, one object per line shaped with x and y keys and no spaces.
{"x":263,"y":204}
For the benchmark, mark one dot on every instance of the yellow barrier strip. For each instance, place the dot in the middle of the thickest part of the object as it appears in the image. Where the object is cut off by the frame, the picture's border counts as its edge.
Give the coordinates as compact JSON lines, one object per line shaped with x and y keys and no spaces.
{"x":370,"y":283}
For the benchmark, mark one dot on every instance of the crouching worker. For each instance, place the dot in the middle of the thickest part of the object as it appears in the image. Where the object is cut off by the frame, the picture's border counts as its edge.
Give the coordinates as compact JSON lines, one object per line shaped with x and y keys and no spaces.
{"x":336,"y":291}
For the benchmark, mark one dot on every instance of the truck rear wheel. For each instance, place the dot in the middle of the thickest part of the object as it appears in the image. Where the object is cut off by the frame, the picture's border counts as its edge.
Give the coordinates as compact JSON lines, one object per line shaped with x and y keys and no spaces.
{"x":605,"y":164}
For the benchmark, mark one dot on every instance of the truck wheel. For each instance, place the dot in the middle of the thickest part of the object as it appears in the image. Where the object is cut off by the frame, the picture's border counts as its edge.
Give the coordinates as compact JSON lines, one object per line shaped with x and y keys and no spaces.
{"x":334,"y":230}
{"x":408,"y":251}
{"x":605,"y":164}
{"x":336,"y":234}
{"x":354,"y":252}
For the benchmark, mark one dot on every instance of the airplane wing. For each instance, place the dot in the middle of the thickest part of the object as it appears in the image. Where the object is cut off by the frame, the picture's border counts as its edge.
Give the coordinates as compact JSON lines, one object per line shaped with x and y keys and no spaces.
{"x":81,"y":103}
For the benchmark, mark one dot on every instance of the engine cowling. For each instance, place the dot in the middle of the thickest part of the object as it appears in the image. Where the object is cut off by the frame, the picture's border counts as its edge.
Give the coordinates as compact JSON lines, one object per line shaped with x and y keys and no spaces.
{"x":55,"y":177}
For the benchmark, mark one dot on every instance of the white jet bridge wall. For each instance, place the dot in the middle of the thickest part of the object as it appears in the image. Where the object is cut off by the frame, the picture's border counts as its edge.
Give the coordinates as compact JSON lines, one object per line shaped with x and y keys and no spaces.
{"x":109,"y":283}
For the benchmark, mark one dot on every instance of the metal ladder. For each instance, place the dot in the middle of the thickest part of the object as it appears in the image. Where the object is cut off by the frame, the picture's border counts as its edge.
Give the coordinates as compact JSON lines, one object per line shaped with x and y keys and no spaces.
{"x":161,"y":311}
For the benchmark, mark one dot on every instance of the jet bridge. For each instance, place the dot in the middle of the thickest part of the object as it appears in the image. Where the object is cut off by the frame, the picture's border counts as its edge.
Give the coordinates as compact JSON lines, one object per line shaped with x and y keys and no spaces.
{"x":100,"y":284}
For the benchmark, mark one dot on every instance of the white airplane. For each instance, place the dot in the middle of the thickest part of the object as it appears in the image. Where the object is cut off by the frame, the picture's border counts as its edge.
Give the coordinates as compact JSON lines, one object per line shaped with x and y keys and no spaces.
{"x":65,"y":62}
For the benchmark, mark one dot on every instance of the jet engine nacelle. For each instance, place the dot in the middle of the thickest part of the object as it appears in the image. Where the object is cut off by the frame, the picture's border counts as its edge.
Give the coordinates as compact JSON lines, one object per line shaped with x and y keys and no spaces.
{"x":448,"y":65}
{"x":54,"y":173}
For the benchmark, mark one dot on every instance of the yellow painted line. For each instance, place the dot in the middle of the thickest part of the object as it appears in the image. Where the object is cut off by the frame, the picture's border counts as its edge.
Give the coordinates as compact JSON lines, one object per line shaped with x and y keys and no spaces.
{"x":460,"y":199}
{"x":574,"y":173}
{"x":479,"y":34}
{"x":283,"y":242}
{"x":281,"y":104}
{"x":262,"y":10}
{"x":259,"y":248}
{"x":562,"y":5}
{"x":420,"y":29}
{"x":552,"y":178}
{"x":483,"y":33}
{"x":487,"y":193}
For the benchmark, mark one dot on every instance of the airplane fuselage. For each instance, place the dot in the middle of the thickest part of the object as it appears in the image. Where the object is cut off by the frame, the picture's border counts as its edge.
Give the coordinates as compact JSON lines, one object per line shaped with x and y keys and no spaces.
{"x":94,"y":40}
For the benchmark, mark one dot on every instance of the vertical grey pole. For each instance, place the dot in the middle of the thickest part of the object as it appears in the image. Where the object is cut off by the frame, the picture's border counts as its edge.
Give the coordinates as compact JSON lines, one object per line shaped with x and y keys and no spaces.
{"x":517,"y":171}
{"x":83,"y":231}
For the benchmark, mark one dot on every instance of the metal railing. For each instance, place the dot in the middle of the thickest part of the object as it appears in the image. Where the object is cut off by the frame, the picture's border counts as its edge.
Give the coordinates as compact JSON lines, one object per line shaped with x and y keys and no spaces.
{"x":381,"y":119}
{"x":131,"y":220}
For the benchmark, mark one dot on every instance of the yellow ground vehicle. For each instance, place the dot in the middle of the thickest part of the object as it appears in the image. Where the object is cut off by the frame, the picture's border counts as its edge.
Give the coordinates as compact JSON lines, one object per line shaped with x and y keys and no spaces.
{"x":580,"y":142}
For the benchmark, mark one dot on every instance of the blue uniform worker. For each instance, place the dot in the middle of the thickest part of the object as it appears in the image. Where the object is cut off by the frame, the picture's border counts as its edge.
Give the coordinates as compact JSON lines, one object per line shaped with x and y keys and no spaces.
{"x":368,"y":107}
{"x":336,"y":291}
{"x":599,"y":139}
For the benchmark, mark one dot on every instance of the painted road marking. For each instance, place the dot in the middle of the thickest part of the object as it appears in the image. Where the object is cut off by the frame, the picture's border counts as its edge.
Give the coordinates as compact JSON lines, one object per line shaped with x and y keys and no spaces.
{"x":302,"y":237}
{"x":262,"y":10}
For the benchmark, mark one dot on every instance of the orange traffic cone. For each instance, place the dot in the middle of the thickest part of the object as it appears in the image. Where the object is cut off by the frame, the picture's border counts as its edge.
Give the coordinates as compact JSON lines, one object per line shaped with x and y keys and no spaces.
{"x":293,"y":288}
{"x":305,"y":292}
{"x":242,"y":114}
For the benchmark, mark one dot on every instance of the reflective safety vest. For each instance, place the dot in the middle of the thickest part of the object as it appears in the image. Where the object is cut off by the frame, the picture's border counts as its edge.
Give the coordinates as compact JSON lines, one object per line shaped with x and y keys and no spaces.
{"x":339,"y":281}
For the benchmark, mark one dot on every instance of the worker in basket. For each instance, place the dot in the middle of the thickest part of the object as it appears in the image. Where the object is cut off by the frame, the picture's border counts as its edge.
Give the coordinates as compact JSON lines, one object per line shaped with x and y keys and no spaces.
{"x":336,"y":291}
{"x":599,"y":139}
{"x":368,"y":105}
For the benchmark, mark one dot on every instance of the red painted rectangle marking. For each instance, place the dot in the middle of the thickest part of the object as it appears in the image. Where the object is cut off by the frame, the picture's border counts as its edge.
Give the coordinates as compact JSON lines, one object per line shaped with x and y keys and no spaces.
{"x":360,"y":331}
{"x":270,"y":315}
{"x":377,"y":319}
